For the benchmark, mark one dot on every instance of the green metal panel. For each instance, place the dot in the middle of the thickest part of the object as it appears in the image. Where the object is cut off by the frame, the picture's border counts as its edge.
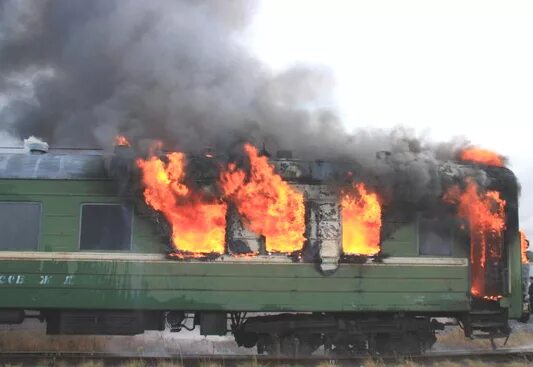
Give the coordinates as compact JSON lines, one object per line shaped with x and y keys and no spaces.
{"x":218,"y":286}
{"x":515,"y":278}
{"x":403,"y":242}
{"x":61,"y":202}
{"x":174,"y":285}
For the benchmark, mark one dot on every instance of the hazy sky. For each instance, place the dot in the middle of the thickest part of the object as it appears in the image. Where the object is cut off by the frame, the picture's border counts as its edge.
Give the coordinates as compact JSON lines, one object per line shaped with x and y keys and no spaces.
{"x":445,"y":68}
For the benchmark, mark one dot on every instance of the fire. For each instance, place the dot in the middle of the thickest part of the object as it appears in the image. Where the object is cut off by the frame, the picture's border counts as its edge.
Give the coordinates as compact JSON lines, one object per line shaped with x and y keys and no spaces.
{"x":492,"y":298}
{"x":269,"y":205}
{"x":122,"y":141}
{"x":482,"y":156}
{"x":485,"y":214}
{"x":361,"y":221}
{"x":524,"y":244}
{"x":198,"y":225}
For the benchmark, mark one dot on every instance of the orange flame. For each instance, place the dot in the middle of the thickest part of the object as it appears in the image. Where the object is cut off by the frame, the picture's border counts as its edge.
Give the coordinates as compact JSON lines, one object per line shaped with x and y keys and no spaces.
{"x":524,"y":244}
{"x":122,"y":141}
{"x":492,"y":298}
{"x":485,"y":213}
{"x":198,"y":225}
{"x":269,"y":205}
{"x":361,"y":221}
{"x":482,"y":156}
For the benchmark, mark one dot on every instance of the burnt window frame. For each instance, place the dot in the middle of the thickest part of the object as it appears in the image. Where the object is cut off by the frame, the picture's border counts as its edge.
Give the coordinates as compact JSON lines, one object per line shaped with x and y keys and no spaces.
{"x":129,"y":206}
{"x":419,"y":216}
{"x":39,"y":223}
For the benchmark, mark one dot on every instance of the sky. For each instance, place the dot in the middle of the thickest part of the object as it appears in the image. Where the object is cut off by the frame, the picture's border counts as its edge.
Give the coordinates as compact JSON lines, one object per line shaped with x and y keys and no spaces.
{"x":445,"y":68}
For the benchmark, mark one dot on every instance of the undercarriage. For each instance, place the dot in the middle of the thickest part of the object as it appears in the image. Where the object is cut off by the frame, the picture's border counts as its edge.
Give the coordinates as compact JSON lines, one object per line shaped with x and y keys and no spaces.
{"x":338,"y":334}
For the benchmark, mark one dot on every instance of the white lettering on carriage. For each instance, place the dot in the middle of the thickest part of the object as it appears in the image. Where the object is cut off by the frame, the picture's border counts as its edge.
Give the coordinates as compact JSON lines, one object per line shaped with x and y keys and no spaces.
{"x":11,"y":279}
{"x":45,"y":279}
{"x":69,"y":279}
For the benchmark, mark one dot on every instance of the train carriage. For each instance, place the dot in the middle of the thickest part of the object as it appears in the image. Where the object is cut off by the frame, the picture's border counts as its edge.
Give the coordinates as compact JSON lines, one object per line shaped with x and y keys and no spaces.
{"x":78,"y":250}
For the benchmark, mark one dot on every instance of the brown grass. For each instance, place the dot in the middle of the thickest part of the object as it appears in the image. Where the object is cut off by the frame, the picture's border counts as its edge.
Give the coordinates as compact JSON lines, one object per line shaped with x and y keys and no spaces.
{"x":169,"y":364}
{"x":91,"y":364}
{"x":251,"y":363}
{"x":455,"y":339}
{"x":26,"y":340}
{"x":462,"y":363}
{"x":367,"y":363}
{"x":135,"y":363}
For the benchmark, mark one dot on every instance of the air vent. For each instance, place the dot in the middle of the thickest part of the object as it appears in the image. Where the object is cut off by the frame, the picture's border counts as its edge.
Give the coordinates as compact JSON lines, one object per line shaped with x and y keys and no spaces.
{"x":35,"y":145}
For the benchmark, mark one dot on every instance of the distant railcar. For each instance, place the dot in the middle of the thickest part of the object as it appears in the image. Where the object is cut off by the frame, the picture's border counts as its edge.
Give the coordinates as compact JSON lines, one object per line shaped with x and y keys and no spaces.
{"x":77,"y":248}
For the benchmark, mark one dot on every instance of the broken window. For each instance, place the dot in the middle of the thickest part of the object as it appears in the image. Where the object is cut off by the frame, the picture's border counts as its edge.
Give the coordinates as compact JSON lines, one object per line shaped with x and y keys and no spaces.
{"x":19,"y":225}
{"x":434,"y":236}
{"x":105,"y":227}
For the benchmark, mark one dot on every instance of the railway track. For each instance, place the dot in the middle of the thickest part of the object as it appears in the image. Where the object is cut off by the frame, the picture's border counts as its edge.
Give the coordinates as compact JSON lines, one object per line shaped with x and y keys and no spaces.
{"x":109,"y":359}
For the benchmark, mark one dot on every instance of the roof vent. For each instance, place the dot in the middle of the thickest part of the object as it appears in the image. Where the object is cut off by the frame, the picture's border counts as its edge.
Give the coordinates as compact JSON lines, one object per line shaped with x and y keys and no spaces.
{"x":35,"y":145}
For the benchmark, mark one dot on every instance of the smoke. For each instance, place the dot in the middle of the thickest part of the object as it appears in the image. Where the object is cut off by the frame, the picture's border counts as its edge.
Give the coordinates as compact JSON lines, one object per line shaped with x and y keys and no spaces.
{"x":161,"y":69}
{"x":76,"y":73}
{"x":7,"y":140}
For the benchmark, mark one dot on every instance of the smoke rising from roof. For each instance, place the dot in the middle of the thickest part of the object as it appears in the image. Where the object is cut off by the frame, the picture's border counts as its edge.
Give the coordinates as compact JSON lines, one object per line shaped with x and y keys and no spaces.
{"x":77,"y":73}
{"x":171,"y":69}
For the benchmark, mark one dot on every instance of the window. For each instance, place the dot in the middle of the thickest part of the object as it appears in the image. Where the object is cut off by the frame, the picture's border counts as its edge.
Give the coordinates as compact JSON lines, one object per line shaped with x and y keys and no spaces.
{"x":19,"y":225}
{"x":435,"y":236}
{"x":105,"y":227}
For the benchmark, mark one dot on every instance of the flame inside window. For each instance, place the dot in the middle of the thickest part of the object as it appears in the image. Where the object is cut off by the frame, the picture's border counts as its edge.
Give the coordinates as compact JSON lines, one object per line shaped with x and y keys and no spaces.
{"x":361,"y":221}
{"x":122,"y":141}
{"x":268,"y":204}
{"x":198,"y":225}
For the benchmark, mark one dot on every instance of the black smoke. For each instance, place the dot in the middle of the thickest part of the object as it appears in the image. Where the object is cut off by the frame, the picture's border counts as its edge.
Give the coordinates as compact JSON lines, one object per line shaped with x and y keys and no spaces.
{"x":77,"y":72}
{"x":171,"y":70}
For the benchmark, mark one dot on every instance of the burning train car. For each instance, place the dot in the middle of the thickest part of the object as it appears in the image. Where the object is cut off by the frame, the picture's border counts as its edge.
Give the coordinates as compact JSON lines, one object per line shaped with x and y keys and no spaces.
{"x":286,"y":254}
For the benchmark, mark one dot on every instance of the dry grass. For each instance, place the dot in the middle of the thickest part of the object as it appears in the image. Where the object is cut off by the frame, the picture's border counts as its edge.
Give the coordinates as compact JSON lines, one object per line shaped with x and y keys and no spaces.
{"x":169,"y":364}
{"x":26,"y":340}
{"x":463,"y":363}
{"x":135,"y":363}
{"x":454,"y":339}
{"x":91,"y":364}
{"x":251,"y":363}
{"x":372,"y":363}
{"x":368,"y":363}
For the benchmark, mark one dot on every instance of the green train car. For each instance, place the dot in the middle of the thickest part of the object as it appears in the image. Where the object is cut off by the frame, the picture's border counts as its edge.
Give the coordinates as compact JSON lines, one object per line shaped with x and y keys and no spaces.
{"x":78,"y":251}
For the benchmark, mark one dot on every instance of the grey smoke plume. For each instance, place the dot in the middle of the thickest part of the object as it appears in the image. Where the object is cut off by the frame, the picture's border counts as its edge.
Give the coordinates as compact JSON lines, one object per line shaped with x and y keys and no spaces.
{"x":148,"y":69}
{"x":78,"y":72}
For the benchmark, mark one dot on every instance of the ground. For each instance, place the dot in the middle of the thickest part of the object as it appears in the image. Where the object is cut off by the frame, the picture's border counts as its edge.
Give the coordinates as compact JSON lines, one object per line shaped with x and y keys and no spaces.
{"x":31,"y":336}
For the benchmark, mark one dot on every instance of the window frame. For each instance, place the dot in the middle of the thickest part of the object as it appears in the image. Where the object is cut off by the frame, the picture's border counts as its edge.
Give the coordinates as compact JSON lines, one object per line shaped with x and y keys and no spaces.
{"x":452,"y":240}
{"x":131,"y":209}
{"x":39,"y":222}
